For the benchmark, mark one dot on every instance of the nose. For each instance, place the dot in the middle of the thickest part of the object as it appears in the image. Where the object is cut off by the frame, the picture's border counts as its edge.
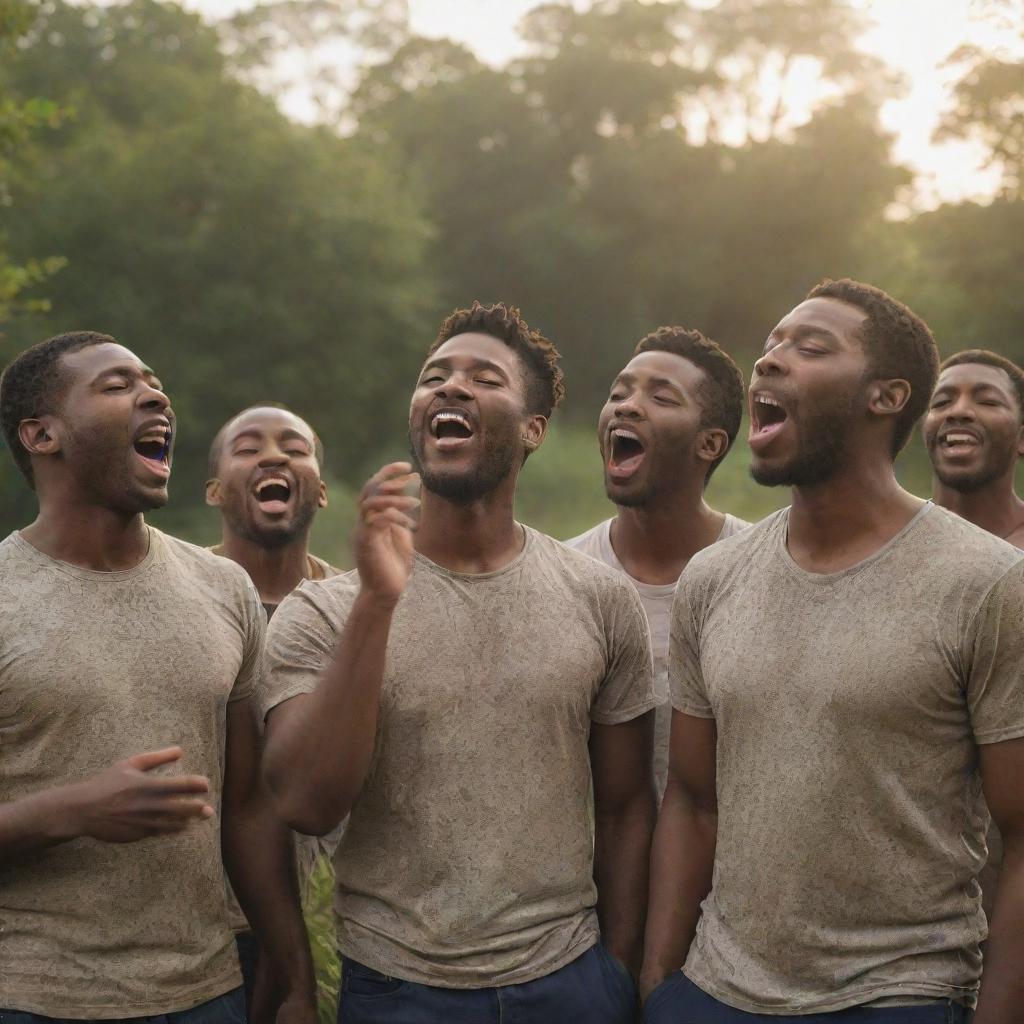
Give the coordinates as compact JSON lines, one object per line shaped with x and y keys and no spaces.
{"x":627,"y":407}
{"x":453,"y":387}
{"x":769,"y":364}
{"x":272,"y":455}
{"x":154,"y":399}
{"x":961,"y":409}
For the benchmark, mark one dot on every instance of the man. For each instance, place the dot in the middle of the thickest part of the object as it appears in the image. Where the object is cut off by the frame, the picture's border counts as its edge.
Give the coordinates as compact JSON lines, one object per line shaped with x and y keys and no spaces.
{"x":846,"y":679}
{"x":117,"y":643}
{"x":671,"y":417}
{"x":461,"y":694}
{"x":264,"y":467}
{"x":265,"y":479}
{"x":974,"y":433}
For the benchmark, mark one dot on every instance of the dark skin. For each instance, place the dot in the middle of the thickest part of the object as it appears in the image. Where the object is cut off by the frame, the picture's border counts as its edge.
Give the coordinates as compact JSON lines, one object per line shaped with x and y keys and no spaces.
{"x":976,"y":406}
{"x":319,"y":746}
{"x":661,"y":520}
{"x":257,"y":446}
{"x":93,"y":489}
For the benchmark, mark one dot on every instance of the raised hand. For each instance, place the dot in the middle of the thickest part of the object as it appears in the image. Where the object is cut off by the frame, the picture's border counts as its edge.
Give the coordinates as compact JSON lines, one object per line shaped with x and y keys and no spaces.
{"x":383,"y":537}
{"x":127,"y":802}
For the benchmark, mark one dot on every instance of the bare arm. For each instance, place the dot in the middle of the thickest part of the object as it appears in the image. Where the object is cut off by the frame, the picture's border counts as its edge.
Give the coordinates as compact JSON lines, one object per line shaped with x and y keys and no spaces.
{"x":121,"y":805}
{"x":319,"y":746}
{"x":259,"y":855}
{"x":1002,"y":984}
{"x":683,"y":853}
{"x":625,"y":807}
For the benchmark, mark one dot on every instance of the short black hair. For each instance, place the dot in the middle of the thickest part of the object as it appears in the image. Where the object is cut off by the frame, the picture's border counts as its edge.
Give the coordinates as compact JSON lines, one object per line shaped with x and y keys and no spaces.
{"x":545,"y":386}
{"x":32,"y":385}
{"x":217,"y":444}
{"x":984,"y":357}
{"x":721,"y":393}
{"x":898,"y":344}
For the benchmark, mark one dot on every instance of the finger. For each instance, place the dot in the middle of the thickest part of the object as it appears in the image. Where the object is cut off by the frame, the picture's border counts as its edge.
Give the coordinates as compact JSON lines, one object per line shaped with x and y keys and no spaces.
{"x":383,"y":501}
{"x":154,"y":758}
{"x":171,"y":784}
{"x":407,"y":483}
{"x":389,"y":517}
{"x":178,"y":808}
{"x":392,"y":469}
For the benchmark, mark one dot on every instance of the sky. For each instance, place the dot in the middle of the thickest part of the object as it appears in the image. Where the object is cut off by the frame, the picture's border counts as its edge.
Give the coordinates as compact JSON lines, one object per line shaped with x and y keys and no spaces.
{"x":915,"y":36}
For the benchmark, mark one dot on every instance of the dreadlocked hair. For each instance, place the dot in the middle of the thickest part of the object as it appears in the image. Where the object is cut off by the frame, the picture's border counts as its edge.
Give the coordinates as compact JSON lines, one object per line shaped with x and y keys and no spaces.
{"x":545,"y":386}
{"x":898,"y":344}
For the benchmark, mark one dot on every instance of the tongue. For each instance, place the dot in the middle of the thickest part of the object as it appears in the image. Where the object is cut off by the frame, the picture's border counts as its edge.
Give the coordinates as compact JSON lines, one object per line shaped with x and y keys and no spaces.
{"x":629,"y":464}
{"x":273,"y":505}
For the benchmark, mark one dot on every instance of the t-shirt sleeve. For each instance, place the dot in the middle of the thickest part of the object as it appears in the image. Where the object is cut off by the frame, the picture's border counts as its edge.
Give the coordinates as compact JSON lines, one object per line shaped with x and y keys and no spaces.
{"x":995,"y":666}
{"x":685,"y":678}
{"x":627,"y":690}
{"x":254,"y":626}
{"x":300,"y":643}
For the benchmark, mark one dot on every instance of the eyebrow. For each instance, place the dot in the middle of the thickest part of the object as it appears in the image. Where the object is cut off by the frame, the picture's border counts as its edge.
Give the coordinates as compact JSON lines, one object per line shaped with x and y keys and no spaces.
{"x":125,"y":370}
{"x":805,"y":330}
{"x":476,"y":364}
{"x":654,"y":382}
{"x":981,"y":385}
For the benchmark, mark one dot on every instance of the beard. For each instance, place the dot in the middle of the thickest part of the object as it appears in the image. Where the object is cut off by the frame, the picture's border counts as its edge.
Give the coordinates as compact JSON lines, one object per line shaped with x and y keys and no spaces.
{"x":973,"y":480}
{"x":100,"y":460}
{"x":822,"y":448}
{"x":272,"y":536}
{"x":497,"y":461}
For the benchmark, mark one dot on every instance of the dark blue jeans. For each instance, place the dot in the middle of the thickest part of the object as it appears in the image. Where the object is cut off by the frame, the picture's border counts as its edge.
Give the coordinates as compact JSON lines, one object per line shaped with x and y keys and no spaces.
{"x":226,"y":1009}
{"x":595,"y":988}
{"x":678,"y":1001}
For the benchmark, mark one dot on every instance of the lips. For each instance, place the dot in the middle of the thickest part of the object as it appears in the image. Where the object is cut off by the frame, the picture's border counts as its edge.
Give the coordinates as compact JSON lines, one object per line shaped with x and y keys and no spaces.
{"x":450,"y":428}
{"x":152,"y":445}
{"x":626,"y":453}
{"x":768,"y":417}
{"x":273,"y":493}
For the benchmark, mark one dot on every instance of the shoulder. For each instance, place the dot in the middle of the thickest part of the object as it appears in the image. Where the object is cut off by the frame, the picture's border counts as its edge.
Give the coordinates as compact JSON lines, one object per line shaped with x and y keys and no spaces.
{"x":590,"y":540}
{"x":737,"y":548}
{"x":329,"y":600}
{"x":978,"y":555}
{"x":202,"y":562}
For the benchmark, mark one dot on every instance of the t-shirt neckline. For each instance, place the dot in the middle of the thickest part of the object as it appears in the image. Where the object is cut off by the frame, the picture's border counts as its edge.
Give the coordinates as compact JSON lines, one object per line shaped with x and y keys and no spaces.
{"x":825,"y":578}
{"x":80,"y":572}
{"x":477,"y":577}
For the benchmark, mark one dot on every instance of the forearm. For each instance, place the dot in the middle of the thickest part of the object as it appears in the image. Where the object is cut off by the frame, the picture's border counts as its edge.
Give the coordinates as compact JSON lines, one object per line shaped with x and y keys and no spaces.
{"x":37,"y":822}
{"x":622,"y":853}
{"x":259,"y":856}
{"x":317,"y":758}
{"x":1002,"y":985}
{"x":682,"y":863}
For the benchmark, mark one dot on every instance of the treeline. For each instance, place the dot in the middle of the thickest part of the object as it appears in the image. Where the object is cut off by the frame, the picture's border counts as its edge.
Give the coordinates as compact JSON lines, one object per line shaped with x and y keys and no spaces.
{"x":640,"y":166}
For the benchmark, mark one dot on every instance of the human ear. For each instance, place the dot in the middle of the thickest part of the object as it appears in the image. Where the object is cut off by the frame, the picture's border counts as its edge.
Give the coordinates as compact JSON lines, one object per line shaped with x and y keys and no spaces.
{"x":39,"y":436}
{"x":889,"y":397}
{"x":213,"y":495}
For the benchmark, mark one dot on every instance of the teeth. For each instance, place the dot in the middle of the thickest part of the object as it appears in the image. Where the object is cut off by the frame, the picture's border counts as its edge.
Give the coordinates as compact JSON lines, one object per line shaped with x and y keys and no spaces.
{"x":279,"y":481}
{"x":447,"y":416}
{"x":158,"y":436}
{"x":959,"y":439}
{"x":620,"y":432}
{"x":765,"y":400}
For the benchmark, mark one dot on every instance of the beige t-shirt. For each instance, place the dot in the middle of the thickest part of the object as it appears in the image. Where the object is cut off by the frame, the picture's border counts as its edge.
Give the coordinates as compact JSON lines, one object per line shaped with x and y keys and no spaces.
{"x":657,"y":601}
{"x":95,"y":667}
{"x":849,"y":707}
{"x":468,"y":857}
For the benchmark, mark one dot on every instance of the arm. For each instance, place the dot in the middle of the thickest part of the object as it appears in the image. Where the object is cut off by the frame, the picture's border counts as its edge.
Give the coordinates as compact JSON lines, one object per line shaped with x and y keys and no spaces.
{"x":121,"y":805}
{"x":683,"y":854}
{"x":1002,"y":984}
{"x":260,"y":859}
{"x":624,"y":811}
{"x":320,"y":745}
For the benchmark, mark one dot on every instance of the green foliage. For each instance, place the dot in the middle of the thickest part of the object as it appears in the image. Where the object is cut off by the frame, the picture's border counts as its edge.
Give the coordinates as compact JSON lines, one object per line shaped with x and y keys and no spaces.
{"x":318,"y":909}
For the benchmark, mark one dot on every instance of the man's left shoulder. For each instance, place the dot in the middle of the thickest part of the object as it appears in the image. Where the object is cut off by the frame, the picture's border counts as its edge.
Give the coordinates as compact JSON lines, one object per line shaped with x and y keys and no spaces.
{"x":582,"y":572}
{"x":204,"y":564}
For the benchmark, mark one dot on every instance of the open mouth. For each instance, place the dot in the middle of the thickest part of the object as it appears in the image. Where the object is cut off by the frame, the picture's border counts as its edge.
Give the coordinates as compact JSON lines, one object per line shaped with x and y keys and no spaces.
{"x":272,"y":494}
{"x":155,"y":447}
{"x":450,"y":428}
{"x":625,"y":452}
{"x":959,"y":441}
{"x":767,"y":417}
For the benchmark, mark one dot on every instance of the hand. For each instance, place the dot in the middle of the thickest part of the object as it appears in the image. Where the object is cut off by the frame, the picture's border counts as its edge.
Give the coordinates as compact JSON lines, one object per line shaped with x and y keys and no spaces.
{"x":297,"y":1008}
{"x":383,"y":536}
{"x":127,"y":803}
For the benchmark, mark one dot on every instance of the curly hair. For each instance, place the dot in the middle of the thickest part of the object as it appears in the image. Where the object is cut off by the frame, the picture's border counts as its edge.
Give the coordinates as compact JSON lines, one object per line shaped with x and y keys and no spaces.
{"x":545,"y":386}
{"x":721,"y":391}
{"x":983,"y":357}
{"x":217,"y":444}
{"x":898,"y":345}
{"x":33,"y":384}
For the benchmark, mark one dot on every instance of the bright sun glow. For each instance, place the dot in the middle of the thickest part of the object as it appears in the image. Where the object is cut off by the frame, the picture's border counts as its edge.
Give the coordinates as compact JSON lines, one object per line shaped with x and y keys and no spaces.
{"x":916,"y":37}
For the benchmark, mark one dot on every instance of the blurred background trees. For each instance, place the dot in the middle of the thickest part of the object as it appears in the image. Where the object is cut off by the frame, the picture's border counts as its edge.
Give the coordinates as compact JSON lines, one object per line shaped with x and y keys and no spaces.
{"x":639,"y":164}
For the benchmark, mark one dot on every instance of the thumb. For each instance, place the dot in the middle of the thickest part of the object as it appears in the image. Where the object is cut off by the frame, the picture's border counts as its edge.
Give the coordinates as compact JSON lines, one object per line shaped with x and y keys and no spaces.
{"x":154,"y":758}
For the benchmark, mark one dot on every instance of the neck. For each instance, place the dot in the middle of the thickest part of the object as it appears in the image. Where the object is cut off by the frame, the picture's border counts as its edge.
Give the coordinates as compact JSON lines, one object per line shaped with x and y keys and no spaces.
{"x":654,"y":542}
{"x":994,"y":507}
{"x":847,"y":518}
{"x":88,"y":536}
{"x":481,"y":536}
{"x":275,"y":572}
